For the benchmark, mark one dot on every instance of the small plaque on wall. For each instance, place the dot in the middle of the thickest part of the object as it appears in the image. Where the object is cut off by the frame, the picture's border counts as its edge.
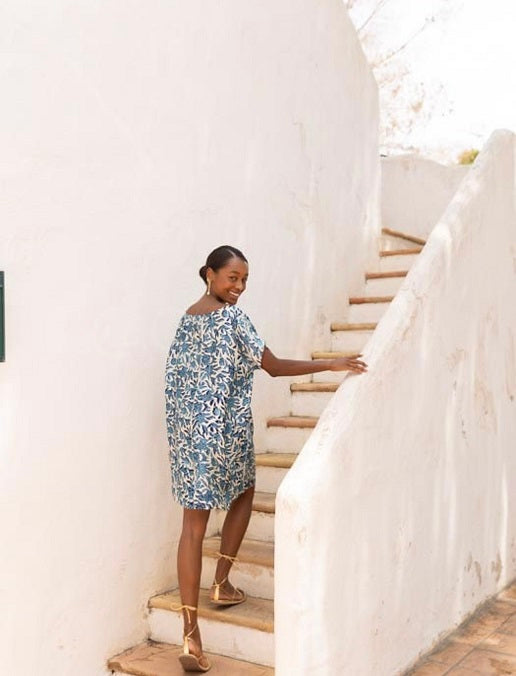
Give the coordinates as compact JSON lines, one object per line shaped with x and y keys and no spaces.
{"x":2,"y":318}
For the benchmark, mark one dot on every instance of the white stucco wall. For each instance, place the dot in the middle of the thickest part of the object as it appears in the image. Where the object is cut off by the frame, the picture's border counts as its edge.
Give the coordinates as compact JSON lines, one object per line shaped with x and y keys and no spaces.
{"x":399,"y":517}
{"x":416,"y":191}
{"x":445,"y":70}
{"x":135,"y":138}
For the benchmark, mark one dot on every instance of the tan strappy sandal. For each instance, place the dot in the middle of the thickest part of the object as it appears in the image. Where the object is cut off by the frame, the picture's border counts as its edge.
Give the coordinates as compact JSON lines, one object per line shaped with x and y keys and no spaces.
{"x":239,"y":596}
{"x":189,"y":661}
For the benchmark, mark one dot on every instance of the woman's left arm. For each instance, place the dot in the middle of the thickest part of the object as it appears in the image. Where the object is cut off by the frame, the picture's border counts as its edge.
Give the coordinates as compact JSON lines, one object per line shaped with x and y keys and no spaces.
{"x":296,"y":367}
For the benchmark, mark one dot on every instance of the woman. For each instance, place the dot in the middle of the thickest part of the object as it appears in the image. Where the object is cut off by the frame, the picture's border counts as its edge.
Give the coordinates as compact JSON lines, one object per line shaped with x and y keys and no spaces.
{"x":210,"y":430}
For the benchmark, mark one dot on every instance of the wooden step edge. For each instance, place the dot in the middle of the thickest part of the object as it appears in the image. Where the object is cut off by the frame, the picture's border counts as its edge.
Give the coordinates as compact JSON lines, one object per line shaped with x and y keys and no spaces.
{"x":360,"y":300}
{"x":264,"y":502}
{"x":256,"y":552}
{"x":401,"y":252}
{"x":314,"y":387}
{"x":334,"y":355}
{"x":386,"y":275}
{"x":403,"y":235}
{"x":343,"y":326}
{"x":293,"y":421}
{"x":279,"y":460}
{"x":254,"y":613}
{"x":152,"y":657}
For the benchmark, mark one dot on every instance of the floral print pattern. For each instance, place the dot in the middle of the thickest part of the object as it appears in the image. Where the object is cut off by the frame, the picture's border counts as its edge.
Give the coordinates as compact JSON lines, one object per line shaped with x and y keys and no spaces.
{"x":208,"y":386}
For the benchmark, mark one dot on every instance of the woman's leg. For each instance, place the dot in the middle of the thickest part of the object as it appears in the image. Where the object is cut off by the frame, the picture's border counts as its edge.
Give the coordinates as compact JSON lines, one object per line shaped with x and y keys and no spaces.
{"x":233,"y":531}
{"x":189,"y":562}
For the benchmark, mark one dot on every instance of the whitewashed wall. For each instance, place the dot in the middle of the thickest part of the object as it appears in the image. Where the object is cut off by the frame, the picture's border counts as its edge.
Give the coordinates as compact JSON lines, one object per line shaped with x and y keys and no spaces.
{"x":416,"y":191}
{"x":445,"y":70}
{"x":399,"y":517}
{"x":135,"y":138}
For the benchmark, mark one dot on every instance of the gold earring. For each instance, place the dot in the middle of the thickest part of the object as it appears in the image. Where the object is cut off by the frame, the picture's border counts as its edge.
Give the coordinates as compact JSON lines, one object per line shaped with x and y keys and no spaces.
{"x":209,"y":287}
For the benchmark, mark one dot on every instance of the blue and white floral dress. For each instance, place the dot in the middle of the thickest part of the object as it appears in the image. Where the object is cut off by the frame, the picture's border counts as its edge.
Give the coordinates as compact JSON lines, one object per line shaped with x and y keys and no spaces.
{"x":209,"y":380}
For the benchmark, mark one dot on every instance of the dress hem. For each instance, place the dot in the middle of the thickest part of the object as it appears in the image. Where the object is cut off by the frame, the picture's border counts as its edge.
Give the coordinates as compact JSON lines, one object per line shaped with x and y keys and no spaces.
{"x":225,"y":507}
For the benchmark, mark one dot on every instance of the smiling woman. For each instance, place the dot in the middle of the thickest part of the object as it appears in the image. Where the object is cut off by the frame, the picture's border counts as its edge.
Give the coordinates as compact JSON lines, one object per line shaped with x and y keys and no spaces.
{"x":209,"y":378}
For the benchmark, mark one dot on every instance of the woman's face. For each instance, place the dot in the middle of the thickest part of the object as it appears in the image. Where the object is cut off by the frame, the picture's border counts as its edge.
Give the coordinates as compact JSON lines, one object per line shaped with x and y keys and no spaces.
{"x":229,"y":282}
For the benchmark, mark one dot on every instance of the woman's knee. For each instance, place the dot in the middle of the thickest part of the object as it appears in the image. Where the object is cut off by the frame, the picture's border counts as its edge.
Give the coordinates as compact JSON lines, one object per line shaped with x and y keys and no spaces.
{"x":194,"y":523}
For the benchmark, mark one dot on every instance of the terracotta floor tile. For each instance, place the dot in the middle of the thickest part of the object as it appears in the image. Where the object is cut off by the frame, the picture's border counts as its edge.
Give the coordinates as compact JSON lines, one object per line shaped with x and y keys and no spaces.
{"x":450,"y":652}
{"x":478,"y":629}
{"x":429,"y":669}
{"x":502,"y":643}
{"x":509,"y":593}
{"x":501,"y":607}
{"x":509,"y":626}
{"x":489,"y":663}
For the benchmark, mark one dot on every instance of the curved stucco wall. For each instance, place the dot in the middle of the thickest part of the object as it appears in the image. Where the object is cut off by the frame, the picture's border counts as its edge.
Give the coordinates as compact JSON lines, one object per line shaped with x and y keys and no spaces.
{"x":399,"y":516}
{"x":136,"y":137}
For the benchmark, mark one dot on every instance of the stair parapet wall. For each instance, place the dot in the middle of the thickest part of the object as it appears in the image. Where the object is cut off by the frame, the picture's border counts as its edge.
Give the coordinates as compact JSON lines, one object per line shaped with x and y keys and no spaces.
{"x":399,"y":517}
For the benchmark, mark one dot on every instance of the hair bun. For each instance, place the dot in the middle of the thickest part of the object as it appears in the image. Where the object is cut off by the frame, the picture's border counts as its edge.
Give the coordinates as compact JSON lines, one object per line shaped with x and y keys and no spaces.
{"x":202,"y":272}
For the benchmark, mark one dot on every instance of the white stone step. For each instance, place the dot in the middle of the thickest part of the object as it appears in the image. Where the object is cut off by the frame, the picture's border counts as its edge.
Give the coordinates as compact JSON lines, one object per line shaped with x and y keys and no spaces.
{"x":287,"y":439}
{"x":401,"y":262}
{"x":254,"y":571}
{"x":242,"y":632}
{"x":329,"y":377}
{"x":390,"y":243}
{"x":268,"y":479}
{"x":159,"y":659}
{"x":354,"y":340}
{"x":271,"y":469}
{"x":367,"y":312}
{"x":261,"y":524}
{"x":310,"y":403}
{"x":386,"y":286}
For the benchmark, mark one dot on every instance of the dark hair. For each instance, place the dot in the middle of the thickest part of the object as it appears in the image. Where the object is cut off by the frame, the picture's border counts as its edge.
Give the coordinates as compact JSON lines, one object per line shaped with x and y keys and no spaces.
{"x":219,"y":257}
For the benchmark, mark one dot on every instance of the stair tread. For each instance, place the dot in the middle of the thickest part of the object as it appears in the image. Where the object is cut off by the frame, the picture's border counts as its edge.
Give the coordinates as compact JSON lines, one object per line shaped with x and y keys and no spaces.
{"x":293,"y":421}
{"x":160,"y":659}
{"x":334,"y":354}
{"x":314,"y":387}
{"x":401,"y":252}
{"x":254,"y":613}
{"x":386,"y":275}
{"x":282,"y":460}
{"x":345,"y":326}
{"x":251,"y":551}
{"x":403,"y":235}
{"x":360,"y":300}
{"x":264,"y":502}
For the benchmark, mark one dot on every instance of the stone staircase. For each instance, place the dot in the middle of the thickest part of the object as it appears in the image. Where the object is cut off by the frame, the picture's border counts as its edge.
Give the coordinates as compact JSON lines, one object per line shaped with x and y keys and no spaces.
{"x":243,"y":634}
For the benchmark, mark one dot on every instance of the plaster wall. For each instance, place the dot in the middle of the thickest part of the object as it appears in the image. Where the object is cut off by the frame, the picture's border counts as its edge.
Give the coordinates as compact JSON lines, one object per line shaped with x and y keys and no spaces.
{"x":135,"y":138}
{"x":416,"y":191}
{"x":399,"y":516}
{"x":445,"y":70}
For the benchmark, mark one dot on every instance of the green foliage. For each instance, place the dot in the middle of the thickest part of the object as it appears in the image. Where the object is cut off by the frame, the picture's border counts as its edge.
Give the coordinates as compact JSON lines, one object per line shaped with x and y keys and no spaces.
{"x":468,"y":156}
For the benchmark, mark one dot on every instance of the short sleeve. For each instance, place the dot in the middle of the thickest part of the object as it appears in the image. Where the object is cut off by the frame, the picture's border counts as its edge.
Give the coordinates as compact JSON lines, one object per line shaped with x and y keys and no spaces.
{"x":250,"y":345}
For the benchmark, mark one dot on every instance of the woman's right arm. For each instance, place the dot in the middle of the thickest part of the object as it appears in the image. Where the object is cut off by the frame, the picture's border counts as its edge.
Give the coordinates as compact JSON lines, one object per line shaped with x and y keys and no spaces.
{"x":296,"y":367}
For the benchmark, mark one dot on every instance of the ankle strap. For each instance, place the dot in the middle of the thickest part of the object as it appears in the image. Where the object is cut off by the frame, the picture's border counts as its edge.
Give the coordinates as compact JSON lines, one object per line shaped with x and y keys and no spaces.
{"x":191,"y":632}
{"x":233,"y":559}
{"x":188,"y":609}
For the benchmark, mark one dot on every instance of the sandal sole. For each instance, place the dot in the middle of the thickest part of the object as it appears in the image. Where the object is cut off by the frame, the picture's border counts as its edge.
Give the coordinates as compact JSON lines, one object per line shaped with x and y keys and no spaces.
{"x":191,"y":663}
